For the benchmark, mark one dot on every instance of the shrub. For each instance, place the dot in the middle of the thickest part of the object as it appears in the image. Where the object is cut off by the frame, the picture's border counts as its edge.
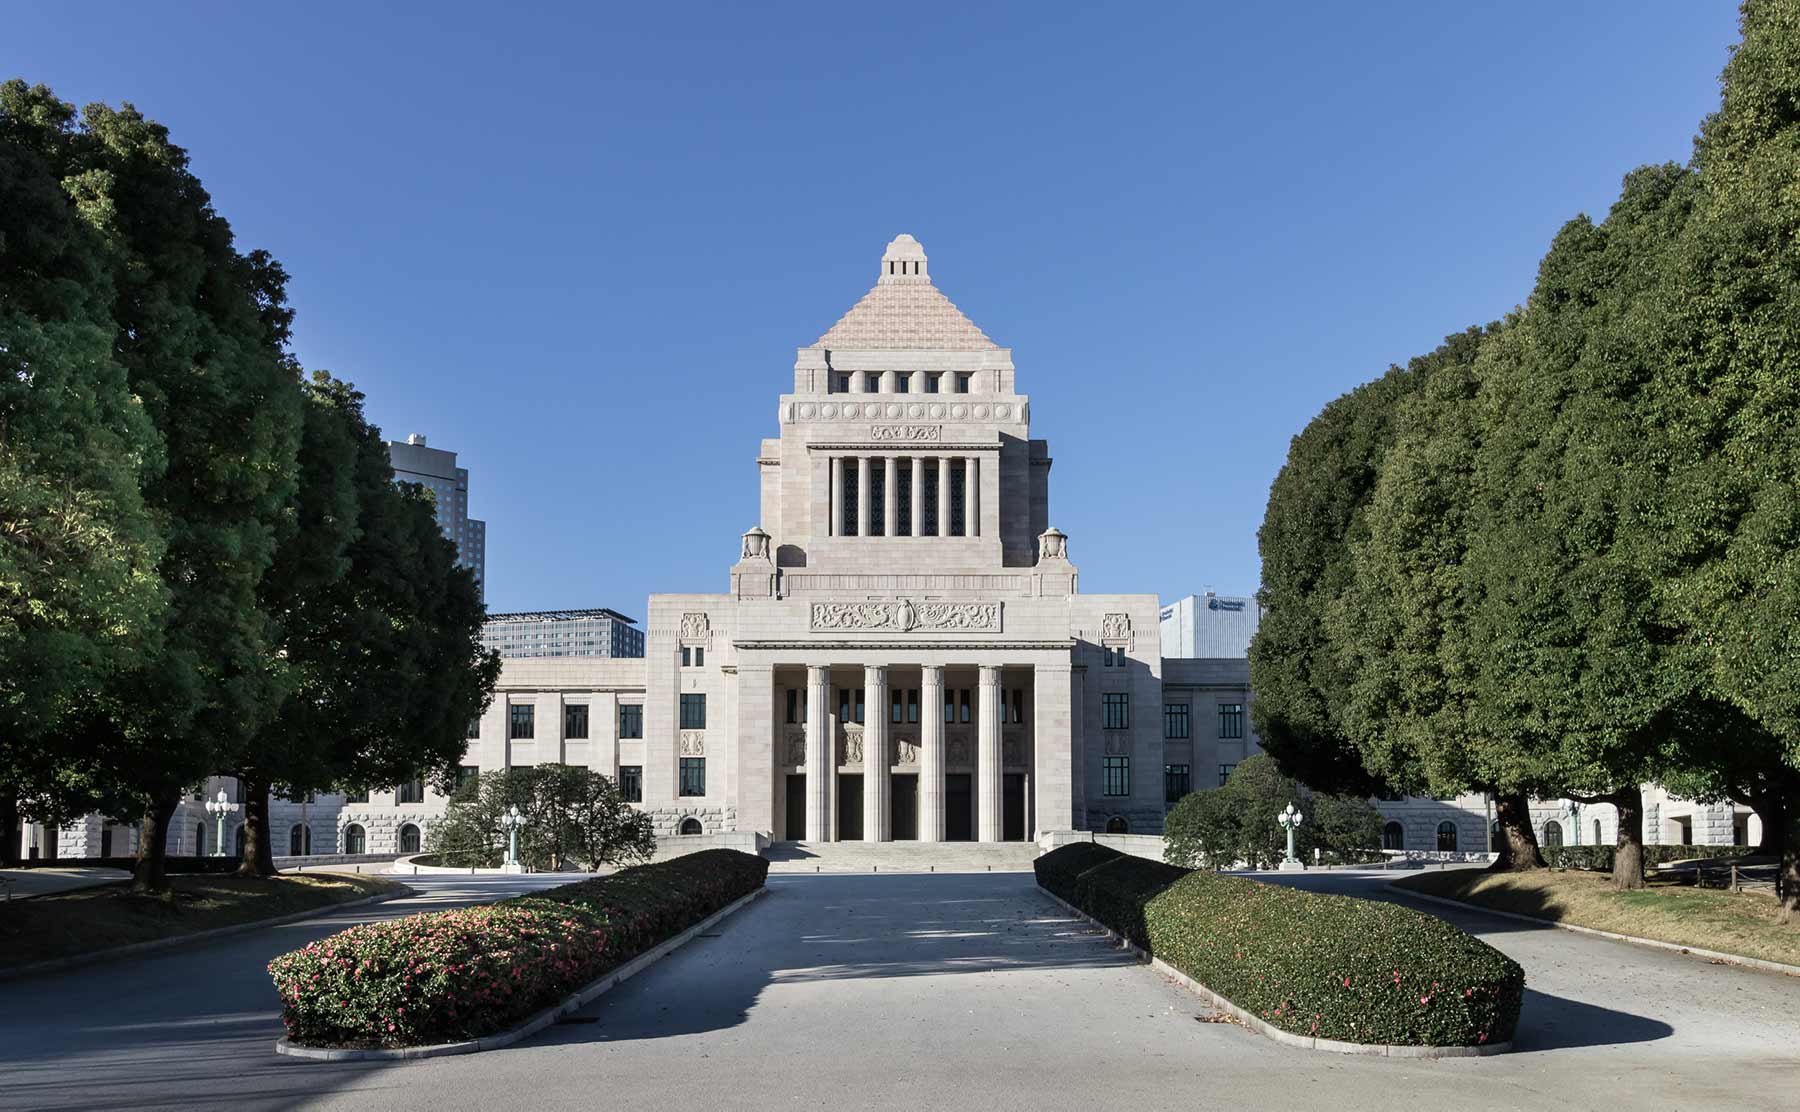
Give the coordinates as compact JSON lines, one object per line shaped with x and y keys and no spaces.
{"x":171,"y":864}
{"x":1056,"y":871}
{"x":475,"y":971}
{"x":1325,"y":966}
{"x":1600,"y":858}
{"x":1235,"y":823}
{"x":573,"y":816}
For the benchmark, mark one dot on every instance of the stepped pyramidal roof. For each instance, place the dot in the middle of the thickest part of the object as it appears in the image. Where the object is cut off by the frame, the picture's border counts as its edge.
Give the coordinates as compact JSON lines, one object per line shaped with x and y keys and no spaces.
{"x":905,"y":312}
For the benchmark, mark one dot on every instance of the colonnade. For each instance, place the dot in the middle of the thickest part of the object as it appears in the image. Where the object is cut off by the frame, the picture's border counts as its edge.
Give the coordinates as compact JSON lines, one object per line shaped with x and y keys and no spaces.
{"x":941,"y":466}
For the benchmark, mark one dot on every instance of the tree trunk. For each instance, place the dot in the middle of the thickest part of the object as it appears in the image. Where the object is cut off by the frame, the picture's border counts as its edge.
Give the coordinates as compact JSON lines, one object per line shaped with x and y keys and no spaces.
{"x":1518,"y":842}
{"x":150,"y":877}
{"x":259,"y":858}
{"x":1628,"y":854}
{"x":9,"y":826}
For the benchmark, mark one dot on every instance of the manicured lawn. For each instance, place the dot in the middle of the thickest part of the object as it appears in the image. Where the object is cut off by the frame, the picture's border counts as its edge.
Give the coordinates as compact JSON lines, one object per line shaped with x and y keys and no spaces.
{"x":101,"y":918}
{"x":1731,"y":922}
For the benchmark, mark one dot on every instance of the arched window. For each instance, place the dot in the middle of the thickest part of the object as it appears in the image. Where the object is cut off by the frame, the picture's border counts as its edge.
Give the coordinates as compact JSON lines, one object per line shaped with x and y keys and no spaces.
{"x":690,"y":825}
{"x":299,"y":840}
{"x":1447,"y":837}
{"x":1597,"y":838}
{"x":199,"y":839}
{"x":355,"y":840}
{"x":1553,"y":833}
{"x":1393,"y":836}
{"x":240,"y":841}
{"x":1118,"y":825}
{"x":409,"y":838}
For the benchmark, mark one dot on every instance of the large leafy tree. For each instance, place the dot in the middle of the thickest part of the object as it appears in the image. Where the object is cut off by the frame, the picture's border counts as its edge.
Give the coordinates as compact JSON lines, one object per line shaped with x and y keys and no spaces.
{"x":573,"y":817}
{"x":1727,"y":406}
{"x":201,"y":332}
{"x":79,"y":594}
{"x":1235,"y":824}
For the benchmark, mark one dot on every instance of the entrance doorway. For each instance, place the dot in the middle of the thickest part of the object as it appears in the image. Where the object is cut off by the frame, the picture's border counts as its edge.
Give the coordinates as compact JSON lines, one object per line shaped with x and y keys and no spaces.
{"x":904,"y":806}
{"x":1012,"y":807}
{"x":850,"y":788}
{"x":959,"y":807}
{"x":796,"y":806}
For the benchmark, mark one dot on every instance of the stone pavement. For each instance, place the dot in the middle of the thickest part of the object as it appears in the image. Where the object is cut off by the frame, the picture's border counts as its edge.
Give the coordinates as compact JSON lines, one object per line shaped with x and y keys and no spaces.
{"x":39,"y":882}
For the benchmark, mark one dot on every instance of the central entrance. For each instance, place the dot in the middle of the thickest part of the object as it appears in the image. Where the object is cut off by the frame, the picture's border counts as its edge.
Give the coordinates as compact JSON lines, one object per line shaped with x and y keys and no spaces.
{"x":850,"y":807}
{"x":959,"y":807}
{"x":904,"y":806}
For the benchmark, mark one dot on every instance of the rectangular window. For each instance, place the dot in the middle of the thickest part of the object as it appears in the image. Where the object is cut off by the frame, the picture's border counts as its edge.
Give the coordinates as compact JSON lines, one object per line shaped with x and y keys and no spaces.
{"x":465,"y":773}
{"x":412,"y":791}
{"x":523,"y":721}
{"x":860,"y":694}
{"x":962,"y":384}
{"x":1115,"y":710}
{"x":693,"y":776}
{"x":1225,"y":773}
{"x":871,"y":382}
{"x":631,"y":720}
{"x":699,"y":656}
{"x":693,"y":712}
{"x":1231,"y":720}
{"x":1018,"y":705}
{"x":793,"y":707}
{"x":933,"y":478}
{"x":1176,"y":782}
{"x":631,"y":783}
{"x":949,"y":706}
{"x":877,"y":499}
{"x":903,"y":483}
{"x":1118,"y":776}
{"x":848,"y":525}
{"x":687,"y":657}
{"x":896,"y":706}
{"x":902,"y":383}
{"x":843,"y":704}
{"x":575,"y":721}
{"x":360,"y":795}
{"x":958,"y":475}
{"x":962,"y":698}
{"x":912,"y":705}
{"x":1175,"y":720}
{"x":840,"y":384}
{"x":931,"y":383}
{"x":474,"y":729}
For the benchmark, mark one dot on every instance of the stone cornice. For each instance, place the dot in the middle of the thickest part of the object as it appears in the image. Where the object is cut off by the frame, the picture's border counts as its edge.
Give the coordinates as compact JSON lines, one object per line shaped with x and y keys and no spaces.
{"x":887,"y":447}
{"x":812,"y":645}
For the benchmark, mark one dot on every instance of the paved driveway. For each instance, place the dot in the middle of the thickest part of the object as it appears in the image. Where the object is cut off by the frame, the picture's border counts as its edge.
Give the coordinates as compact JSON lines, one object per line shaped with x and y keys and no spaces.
{"x":919,"y":991}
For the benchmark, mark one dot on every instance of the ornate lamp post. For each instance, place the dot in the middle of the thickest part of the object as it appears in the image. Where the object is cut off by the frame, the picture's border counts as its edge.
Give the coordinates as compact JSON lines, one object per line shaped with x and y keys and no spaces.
{"x":219,"y":808}
{"x":1290,"y":820}
{"x":512,"y":821}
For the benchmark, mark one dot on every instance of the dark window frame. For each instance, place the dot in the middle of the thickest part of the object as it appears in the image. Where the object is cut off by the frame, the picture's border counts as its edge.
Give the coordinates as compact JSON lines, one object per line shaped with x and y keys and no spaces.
{"x":692,"y":782}
{"x":521,"y":721}
{"x":1177,"y":724}
{"x":575,"y":721}
{"x":631,"y":721}
{"x":631,"y":783}
{"x":1115,"y":710}
{"x":1231,"y":720}
{"x":1116,"y":776}
{"x":1178,"y":781}
{"x":693,"y":710}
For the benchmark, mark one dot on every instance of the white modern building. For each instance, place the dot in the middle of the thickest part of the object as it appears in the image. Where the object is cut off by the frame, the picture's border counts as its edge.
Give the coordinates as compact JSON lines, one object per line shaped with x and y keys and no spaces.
{"x":435,"y":469}
{"x":540,"y":633}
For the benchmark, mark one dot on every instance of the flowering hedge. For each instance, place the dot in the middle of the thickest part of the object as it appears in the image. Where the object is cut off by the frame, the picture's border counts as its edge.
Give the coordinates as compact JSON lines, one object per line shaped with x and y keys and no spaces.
{"x":475,"y":971}
{"x":1333,"y":967}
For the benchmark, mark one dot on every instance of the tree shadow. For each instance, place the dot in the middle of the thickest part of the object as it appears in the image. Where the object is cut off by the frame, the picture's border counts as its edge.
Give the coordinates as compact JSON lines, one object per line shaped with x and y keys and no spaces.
{"x":1555,"y":1023}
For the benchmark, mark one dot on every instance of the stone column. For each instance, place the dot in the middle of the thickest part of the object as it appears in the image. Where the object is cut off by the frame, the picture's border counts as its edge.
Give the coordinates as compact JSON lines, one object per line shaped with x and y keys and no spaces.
{"x":988,"y":824}
{"x":876,"y":759}
{"x":835,"y":527}
{"x":931,"y":754}
{"x":1053,"y":750}
{"x":972,"y":497}
{"x":918,"y":495}
{"x":754,"y":752}
{"x":820,"y":766}
{"x":863,"y":495}
{"x":890,"y":496}
{"x":943,"y":507}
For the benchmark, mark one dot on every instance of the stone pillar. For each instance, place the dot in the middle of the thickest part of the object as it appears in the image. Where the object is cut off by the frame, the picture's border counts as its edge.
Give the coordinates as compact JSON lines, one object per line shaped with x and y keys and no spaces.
{"x":931,"y":754}
{"x":835,"y":528}
{"x":876,"y":758}
{"x":988,"y":825}
{"x":890,"y":496}
{"x":755,"y":749}
{"x":863,"y":495}
{"x":972,"y":497}
{"x":820,"y":765}
{"x":943,"y":506}
{"x":918,"y":495}
{"x":1053,"y":749}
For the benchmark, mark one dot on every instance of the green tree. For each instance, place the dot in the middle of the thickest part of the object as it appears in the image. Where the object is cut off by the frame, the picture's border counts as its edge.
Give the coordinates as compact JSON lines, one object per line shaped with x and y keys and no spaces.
{"x":1346,"y":828}
{"x":79,"y":594}
{"x":201,"y":332}
{"x":1235,"y":824}
{"x":573,"y":817}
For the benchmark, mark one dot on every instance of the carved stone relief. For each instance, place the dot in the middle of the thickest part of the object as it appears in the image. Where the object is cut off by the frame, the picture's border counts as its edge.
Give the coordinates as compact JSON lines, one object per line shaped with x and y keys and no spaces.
{"x":911,"y":433}
{"x":796,"y":747}
{"x":1116,"y":627}
{"x":906,"y":750}
{"x":695,"y":626}
{"x":693,"y":743}
{"x":958,"y":749}
{"x":904,"y":616}
{"x":853,"y":744}
{"x":1115,"y":745}
{"x":1012,"y":751}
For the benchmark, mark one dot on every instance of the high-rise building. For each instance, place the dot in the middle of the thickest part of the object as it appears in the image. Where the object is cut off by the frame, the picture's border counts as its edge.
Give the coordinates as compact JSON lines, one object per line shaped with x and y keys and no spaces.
{"x":436,"y":470}
{"x":1209,"y":625}
{"x":535,"y":633}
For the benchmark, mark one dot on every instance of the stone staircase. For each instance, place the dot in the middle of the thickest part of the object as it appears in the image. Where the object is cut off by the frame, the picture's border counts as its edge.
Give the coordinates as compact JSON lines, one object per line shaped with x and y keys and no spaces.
{"x":901,"y":857}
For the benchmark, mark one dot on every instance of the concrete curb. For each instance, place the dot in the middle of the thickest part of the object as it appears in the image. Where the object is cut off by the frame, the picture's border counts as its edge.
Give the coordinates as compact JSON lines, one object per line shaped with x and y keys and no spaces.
{"x":1269,"y":1030}
{"x":1654,"y":943}
{"x":136,"y":948}
{"x":535,"y":1023}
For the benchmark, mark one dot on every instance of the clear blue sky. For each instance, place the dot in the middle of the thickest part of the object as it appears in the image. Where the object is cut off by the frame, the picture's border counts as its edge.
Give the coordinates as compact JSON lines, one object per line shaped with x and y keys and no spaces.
{"x":579,"y":245}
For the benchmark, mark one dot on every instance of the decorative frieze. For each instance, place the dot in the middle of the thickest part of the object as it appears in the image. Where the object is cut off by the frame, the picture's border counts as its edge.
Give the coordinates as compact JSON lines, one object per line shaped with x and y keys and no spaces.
{"x":906,"y":750}
{"x":835,"y":412}
{"x":905,"y":616}
{"x":910,"y":434}
{"x":796,"y":747}
{"x":853,"y":744}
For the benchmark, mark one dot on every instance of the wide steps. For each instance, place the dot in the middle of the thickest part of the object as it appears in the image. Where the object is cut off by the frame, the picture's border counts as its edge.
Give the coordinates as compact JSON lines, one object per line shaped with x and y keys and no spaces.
{"x":900,"y":857}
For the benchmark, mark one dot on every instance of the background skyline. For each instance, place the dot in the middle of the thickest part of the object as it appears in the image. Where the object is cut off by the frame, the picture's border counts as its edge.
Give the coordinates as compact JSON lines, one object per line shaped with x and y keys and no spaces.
{"x":581,"y":248}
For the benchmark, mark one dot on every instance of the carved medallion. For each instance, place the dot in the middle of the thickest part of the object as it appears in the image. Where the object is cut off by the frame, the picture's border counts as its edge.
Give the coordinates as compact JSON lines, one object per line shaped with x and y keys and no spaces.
{"x":796,"y":748}
{"x":853,"y":744}
{"x":958,"y":750}
{"x":695,"y":625}
{"x":904,"y":616}
{"x":1116,"y":627}
{"x":693,"y":743}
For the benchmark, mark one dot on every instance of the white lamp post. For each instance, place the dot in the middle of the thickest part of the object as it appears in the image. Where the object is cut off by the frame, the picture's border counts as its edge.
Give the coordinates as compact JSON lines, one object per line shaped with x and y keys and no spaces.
{"x":1290,"y":820}
{"x":512,"y":821}
{"x":219,"y":808}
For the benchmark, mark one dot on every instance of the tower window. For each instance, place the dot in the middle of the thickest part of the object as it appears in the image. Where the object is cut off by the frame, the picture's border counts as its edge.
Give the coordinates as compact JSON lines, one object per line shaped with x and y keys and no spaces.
{"x":958,"y":475}
{"x":902,"y":383}
{"x":931,"y":383}
{"x":962,"y":383}
{"x":933,"y":480}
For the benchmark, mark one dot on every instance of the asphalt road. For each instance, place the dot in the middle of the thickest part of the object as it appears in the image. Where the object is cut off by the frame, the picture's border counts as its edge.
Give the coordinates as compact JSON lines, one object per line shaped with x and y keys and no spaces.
{"x":914,"y":990}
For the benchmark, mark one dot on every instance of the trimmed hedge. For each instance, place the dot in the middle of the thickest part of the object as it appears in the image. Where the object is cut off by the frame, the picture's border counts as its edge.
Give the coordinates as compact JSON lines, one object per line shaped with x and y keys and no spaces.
{"x":1600,"y":858}
{"x":1333,"y":967}
{"x":1056,"y":871}
{"x":462,"y":974}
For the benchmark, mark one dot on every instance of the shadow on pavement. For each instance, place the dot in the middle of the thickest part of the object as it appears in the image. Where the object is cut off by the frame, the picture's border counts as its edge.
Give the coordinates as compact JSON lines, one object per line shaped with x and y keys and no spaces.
{"x":1553,"y":1023}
